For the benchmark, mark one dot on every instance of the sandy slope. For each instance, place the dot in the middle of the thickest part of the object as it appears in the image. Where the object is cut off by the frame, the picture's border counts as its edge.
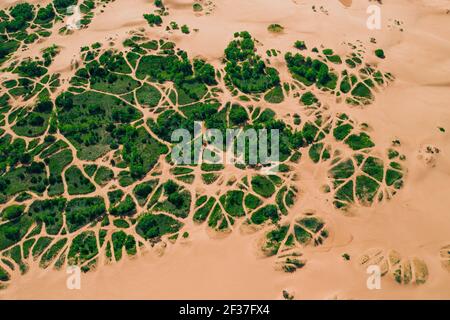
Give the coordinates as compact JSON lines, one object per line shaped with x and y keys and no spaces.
{"x":416,"y":222}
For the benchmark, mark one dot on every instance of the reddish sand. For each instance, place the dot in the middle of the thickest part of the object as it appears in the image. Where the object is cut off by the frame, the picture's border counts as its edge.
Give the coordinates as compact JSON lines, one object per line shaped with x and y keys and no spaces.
{"x":416,"y":222}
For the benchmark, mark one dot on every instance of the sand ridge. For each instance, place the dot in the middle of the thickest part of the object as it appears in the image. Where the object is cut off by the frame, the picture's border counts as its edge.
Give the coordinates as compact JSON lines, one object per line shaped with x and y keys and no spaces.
{"x":415,"y":222}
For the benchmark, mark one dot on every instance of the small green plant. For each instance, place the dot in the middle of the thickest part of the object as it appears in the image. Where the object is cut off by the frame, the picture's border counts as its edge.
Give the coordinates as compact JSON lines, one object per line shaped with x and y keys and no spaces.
{"x":380,"y":53}
{"x":275,"y":28}
{"x":153,"y":19}
{"x":185,"y":29}
{"x":300,"y":45}
{"x":197,"y":7}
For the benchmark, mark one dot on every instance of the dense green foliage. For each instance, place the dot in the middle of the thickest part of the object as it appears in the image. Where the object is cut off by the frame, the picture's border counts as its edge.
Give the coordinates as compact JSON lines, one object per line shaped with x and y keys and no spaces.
{"x":153,"y":226}
{"x":245,"y":69}
{"x":310,"y":71}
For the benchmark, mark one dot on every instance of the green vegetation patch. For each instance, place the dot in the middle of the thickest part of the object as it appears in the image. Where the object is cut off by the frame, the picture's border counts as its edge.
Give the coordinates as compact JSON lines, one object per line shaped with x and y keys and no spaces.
{"x":115,"y":84}
{"x":202,"y":213}
{"x":103,"y":175}
{"x":153,"y":226}
{"x":49,"y":212}
{"x":148,"y":95}
{"x":83,"y":248}
{"x":358,"y":142}
{"x":232,"y":202}
{"x":178,"y":200}
{"x":308,"y":98}
{"x":124,"y":208}
{"x":121,"y":224}
{"x":275,"y":28}
{"x":77,"y":183}
{"x":12,"y":212}
{"x":56,"y":164}
{"x":26,"y":178}
{"x":81,"y":211}
{"x":366,"y":189}
{"x":310,"y":71}
{"x":274,"y":239}
{"x":268,"y":212}
{"x":263,"y":186}
{"x":245,"y":69}
{"x":380,"y":53}
{"x":140,"y":150}
{"x":39,"y":247}
{"x":342,"y":131}
{"x":88,"y":121}
{"x":13,"y":231}
{"x":252,"y":201}
{"x":52,"y":252}
{"x":343,"y":170}
{"x":34,"y":123}
{"x":275,"y":95}
{"x":361,"y":90}
{"x":143,"y":190}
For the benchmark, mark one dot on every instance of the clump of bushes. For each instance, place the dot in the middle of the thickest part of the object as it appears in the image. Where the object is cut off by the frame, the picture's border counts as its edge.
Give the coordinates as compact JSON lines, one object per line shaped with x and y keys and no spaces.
{"x":153,"y":19}
{"x":245,"y":69}
{"x":380,"y":53}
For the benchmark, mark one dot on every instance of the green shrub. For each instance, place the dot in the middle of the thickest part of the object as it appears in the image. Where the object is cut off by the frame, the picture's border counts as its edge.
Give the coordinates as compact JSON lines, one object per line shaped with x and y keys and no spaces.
{"x":77,"y":183}
{"x":252,"y":201}
{"x":143,"y":190}
{"x":308,"y":98}
{"x":153,"y":19}
{"x":358,"y":142}
{"x":115,"y":196}
{"x":197,"y":7}
{"x":103,"y":175}
{"x":121,"y":223}
{"x":232,"y":202}
{"x":151,"y":226}
{"x":366,"y":189}
{"x":41,"y":244}
{"x":246,"y":70}
{"x":49,"y":212}
{"x":265,"y":213}
{"x":380,"y":53}
{"x":362,"y":91}
{"x":12,"y":212}
{"x":202,"y":213}
{"x":13,"y":231}
{"x":83,"y":248}
{"x":263,"y":186}
{"x":342,"y":131}
{"x":148,"y":95}
{"x":81,"y":211}
{"x":310,"y":71}
{"x":52,"y":252}
{"x":275,"y":28}
{"x":124,"y":208}
{"x":275,"y":95}
{"x":300,"y":45}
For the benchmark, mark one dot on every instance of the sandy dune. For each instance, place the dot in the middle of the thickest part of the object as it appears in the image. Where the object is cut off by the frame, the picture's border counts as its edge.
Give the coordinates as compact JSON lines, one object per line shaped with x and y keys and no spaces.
{"x":415,"y":223}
